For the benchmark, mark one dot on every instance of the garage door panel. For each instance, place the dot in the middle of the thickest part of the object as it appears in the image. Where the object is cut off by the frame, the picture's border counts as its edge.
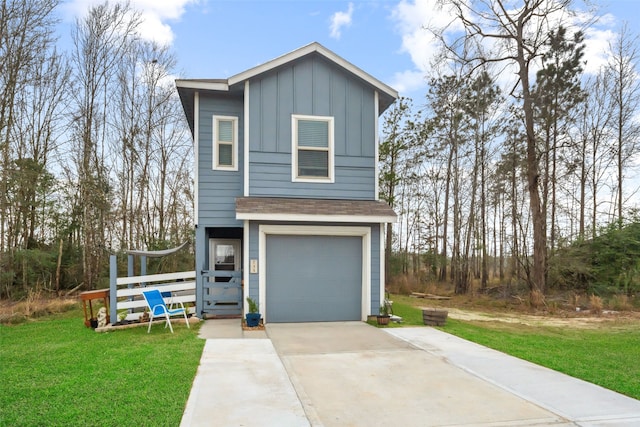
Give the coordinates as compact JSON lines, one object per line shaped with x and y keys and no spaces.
{"x":313,"y":278}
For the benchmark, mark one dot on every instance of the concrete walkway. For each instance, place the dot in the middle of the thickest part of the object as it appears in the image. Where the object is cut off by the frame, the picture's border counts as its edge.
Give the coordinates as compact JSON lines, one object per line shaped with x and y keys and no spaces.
{"x":582,"y":403}
{"x":352,"y":374}
{"x":240,"y":381}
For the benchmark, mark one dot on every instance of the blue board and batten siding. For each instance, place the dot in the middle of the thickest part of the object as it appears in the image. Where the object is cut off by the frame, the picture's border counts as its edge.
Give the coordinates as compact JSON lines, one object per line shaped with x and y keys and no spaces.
{"x":309,"y":86}
{"x":312,"y":86}
{"x":218,"y":189}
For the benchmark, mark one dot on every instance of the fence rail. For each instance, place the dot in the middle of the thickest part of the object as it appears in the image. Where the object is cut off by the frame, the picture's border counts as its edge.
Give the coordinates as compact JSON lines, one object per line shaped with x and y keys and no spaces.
{"x":126,"y":292}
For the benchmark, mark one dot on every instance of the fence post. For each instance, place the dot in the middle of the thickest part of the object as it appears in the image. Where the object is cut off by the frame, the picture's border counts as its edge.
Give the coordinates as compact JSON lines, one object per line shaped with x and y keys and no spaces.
{"x":130,"y":273}
{"x":130,"y":266}
{"x":143,"y":268}
{"x":113,"y":288}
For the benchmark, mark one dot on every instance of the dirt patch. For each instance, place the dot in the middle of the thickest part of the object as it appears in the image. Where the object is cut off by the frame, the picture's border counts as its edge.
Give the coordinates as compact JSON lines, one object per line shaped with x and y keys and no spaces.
{"x":578,"y":320}
{"x":260,"y":326}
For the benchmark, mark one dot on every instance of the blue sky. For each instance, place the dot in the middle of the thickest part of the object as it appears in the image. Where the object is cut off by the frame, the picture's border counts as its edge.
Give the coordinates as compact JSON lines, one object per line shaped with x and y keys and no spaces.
{"x":217,"y":39}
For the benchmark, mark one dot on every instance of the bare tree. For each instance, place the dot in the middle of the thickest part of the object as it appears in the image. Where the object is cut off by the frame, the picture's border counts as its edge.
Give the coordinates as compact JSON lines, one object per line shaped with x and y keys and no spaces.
{"x":591,"y":152}
{"x":128,"y":125}
{"x":446,"y":126}
{"x":483,"y":100}
{"x":26,"y":33}
{"x":57,"y":205}
{"x":150,"y":142}
{"x":557,"y":93}
{"x":398,"y":126}
{"x":32,"y":80}
{"x":622,"y":71}
{"x":101,"y":39}
{"x":519,"y":35}
{"x":166,"y":138}
{"x":509,"y":181}
{"x":38,"y":128}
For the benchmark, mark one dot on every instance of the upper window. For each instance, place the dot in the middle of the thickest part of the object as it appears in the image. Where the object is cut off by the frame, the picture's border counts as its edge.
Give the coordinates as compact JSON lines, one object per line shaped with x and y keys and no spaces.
{"x":225,"y":143}
{"x":312,"y":148}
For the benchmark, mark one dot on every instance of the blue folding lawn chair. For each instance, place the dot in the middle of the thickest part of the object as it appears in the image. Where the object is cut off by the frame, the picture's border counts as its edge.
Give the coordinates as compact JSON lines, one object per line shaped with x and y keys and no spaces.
{"x":159,"y":308}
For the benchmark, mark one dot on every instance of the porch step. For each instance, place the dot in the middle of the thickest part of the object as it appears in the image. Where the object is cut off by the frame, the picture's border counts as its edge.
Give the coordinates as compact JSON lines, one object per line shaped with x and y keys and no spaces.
{"x":221,"y":316}
{"x":227,"y":328}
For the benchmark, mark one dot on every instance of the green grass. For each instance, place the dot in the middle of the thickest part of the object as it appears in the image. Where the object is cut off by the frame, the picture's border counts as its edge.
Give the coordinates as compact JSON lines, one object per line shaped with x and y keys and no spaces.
{"x":57,"y":372}
{"x":607,"y":356}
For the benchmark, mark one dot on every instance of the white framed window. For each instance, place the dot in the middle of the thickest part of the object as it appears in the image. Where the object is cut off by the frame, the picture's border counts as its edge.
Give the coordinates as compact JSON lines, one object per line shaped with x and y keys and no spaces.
{"x":225,"y":143}
{"x":312,"y":148}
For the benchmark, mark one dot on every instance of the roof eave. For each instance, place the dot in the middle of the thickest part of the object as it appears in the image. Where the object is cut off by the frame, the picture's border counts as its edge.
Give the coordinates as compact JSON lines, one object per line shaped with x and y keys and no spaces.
{"x":369,"y":219}
{"x":222,"y":85}
{"x":188,"y":87}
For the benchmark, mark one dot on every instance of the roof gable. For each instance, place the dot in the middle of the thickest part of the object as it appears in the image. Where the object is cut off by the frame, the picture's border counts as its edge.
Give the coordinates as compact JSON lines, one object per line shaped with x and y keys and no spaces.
{"x":386,"y":94}
{"x":307,"y":50}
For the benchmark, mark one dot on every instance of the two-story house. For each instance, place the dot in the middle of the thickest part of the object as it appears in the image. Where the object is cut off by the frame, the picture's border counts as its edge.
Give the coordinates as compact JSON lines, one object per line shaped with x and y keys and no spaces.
{"x":286,"y":188}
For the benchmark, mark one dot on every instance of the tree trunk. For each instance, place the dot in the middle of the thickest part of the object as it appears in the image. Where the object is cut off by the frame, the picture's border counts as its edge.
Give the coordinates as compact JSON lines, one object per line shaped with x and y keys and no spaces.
{"x":539,"y":266}
{"x":445,"y":220}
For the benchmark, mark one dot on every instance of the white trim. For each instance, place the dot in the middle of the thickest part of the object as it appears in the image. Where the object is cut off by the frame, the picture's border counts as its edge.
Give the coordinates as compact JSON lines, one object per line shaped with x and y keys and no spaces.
{"x":196,"y":153}
{"x":245,"y":142}
{"x":315,"y":230}
{"x":234,"y":144}
{"x":256,"y":216}
{"x":377,"y":146}
{"x":202,"y":85}
{"x":383,"y":273}
{"x":262,"y":271}
{"x":295,"y":147}
{"x":305,"y":50}
{"x":245,"y":266}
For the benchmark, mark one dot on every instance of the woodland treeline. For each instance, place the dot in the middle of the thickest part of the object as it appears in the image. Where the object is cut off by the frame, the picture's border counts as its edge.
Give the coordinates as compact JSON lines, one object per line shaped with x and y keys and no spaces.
{"x":517,"y":187}
{"x":95,"y":154}
{"x":491,"y":184}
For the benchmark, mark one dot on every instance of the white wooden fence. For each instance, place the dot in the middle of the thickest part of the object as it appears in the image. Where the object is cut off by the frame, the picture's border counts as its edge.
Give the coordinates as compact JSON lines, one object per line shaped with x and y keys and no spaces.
{"x":126,"y":292}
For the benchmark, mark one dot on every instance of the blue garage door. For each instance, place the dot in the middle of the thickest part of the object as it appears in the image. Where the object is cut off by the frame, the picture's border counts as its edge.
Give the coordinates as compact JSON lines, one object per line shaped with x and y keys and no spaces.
{"x":313,"y":278}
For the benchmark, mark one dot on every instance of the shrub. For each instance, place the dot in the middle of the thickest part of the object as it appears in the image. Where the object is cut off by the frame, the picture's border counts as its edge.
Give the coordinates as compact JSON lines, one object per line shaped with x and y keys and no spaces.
{"x":606,"y":264}
{"x":620,"y":303}
{"x":595,"y":303}
{"x":404,"y":284}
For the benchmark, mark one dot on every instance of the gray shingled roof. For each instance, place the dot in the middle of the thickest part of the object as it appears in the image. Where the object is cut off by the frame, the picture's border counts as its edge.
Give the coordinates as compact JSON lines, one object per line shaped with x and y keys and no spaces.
{"x":271,"y":208}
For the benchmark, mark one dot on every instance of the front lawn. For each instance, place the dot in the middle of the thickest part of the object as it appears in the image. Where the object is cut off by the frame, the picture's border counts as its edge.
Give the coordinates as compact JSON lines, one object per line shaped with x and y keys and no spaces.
{"x":57,"y":372}
{"x":606,"y":355}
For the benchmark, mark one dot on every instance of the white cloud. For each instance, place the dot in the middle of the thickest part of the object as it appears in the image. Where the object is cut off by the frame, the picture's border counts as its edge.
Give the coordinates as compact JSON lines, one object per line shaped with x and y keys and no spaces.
{"x":596,"y":51}
{"x":413,"y":18}
{"x":154,"y":15}
{"x":340,"y":20}
{"x":597,"y":36}
{"x":408,"y":81}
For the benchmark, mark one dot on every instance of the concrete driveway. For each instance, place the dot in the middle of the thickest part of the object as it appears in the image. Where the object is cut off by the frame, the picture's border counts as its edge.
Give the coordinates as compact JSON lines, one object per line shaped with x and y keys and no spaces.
{"x":352,"y":374}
